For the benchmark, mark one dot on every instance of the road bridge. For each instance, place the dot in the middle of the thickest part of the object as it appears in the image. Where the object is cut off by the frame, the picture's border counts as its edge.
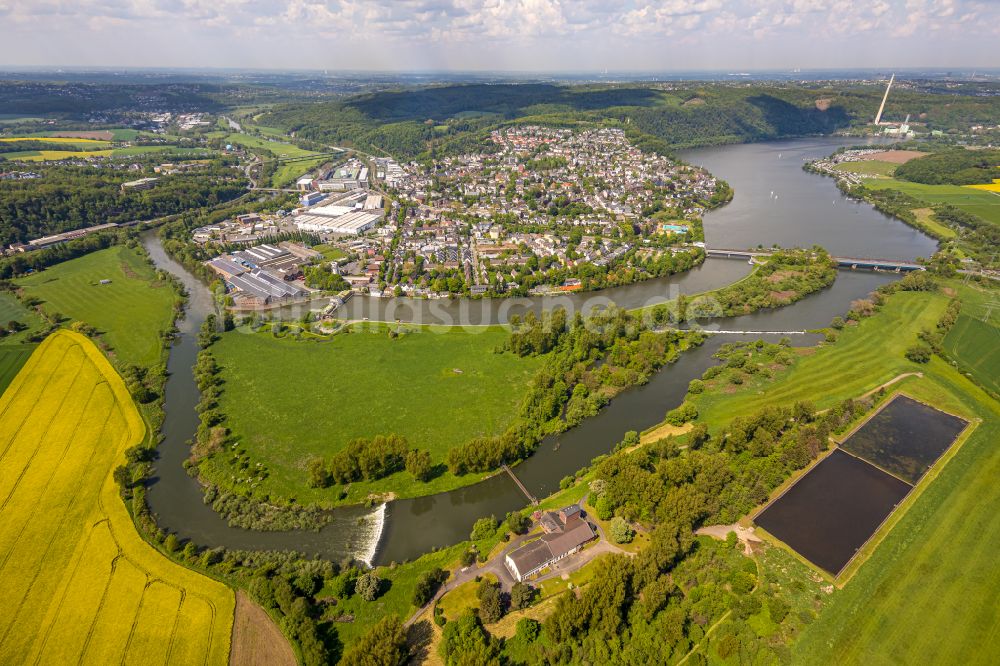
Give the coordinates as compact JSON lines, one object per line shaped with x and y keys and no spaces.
{"x":852,"y":263}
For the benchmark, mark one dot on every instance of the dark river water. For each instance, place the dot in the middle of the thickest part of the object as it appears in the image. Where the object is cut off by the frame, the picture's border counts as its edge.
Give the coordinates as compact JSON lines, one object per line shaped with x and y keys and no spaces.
{"x":405,"y":529}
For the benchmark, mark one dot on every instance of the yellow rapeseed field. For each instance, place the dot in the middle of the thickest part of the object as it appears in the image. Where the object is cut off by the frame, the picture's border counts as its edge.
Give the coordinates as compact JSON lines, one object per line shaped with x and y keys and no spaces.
{"x":989,"y":187}
{"x":80,"y":586}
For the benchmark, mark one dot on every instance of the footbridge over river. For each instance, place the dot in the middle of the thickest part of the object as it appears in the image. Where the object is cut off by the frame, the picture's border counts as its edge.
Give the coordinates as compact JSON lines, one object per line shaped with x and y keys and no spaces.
{"x":853,"y":263}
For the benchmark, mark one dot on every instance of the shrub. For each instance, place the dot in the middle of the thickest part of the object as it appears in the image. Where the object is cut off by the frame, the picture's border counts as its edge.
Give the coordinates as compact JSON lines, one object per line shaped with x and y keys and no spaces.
{"x":521,"y":596}
{"x":319,"y":475}
{"x":418,"y":463}
{"x":696,"y":386}
{"x":517,"y":522}
{"x":919,"y":353}
{"x":490,"y":602}
{"x":484,"y":528}
{"x":368,"y":586}
{"x":621,"y":531}
{"x":427,"y":585}
{"x":527,"y":630}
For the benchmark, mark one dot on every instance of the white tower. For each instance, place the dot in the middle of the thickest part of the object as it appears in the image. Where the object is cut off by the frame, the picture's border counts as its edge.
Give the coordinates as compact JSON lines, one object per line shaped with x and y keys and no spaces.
{"x":881,"y":107}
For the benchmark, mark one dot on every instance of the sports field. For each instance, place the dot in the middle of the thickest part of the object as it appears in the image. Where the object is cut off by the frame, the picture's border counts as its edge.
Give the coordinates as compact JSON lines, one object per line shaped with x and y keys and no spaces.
{"x":129,"y":312}
{"x":288,"y":401}
{"x":978,"y":202}
{"x":80,"y":585}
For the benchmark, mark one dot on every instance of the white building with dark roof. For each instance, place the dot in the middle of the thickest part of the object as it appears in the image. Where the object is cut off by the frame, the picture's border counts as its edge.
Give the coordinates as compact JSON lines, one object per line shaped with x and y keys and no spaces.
{"x":566,"y":533}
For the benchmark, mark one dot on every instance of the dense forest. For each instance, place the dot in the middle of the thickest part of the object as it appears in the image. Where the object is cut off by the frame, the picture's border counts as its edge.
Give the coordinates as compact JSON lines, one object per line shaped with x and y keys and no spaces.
{"x":451,"y":119}
{"x":68,"y":197}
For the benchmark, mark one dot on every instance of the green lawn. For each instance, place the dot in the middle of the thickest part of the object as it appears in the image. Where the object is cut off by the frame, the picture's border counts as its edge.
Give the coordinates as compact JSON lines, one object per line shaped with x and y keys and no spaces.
{"x":927,"y":594}
{"x":286,"y":173}
{"x":287,"y":401}
{"x":277,"y":147}
{"x":978,"y":202}
{"x":868,"y":167}
{"x":865,"y":356}
{"x":129,"y":313}
{"x":329,"y":252}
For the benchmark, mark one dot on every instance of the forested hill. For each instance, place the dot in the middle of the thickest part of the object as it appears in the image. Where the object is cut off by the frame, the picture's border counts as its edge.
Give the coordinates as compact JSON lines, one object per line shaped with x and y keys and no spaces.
{"x":408,"y":123}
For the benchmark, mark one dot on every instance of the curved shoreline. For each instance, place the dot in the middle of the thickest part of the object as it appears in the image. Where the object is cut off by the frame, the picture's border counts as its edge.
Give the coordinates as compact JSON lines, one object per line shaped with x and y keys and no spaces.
{"x":405,"y":529}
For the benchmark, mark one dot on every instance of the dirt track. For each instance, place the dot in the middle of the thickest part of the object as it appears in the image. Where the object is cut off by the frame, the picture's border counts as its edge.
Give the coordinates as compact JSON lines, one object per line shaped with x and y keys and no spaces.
{"x":257,"y":641}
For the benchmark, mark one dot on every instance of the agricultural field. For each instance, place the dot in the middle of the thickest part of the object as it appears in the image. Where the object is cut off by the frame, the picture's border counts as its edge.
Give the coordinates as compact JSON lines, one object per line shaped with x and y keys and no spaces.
{"x":14,"y":347}
{"x":987,"y":187}
{"x":287,"y":401}
{"x":978,"y":202}
{"x":129,"y":313}
{"x":12,"y":359}
{"x":81,"y":585}
{"x":974,"y":341}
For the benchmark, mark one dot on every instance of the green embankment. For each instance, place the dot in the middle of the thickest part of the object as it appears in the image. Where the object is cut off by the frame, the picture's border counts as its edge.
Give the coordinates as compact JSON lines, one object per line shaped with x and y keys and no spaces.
{"x":129,"y":312}
{"x":935,"y":563}
{"x":288,"y":401}
{"x":864,"y":357}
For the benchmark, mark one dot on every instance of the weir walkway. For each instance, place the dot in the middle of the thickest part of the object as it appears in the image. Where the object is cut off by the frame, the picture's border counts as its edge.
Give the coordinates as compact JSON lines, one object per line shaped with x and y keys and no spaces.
{"x":853,"y":263}
{"x":531,"y":498}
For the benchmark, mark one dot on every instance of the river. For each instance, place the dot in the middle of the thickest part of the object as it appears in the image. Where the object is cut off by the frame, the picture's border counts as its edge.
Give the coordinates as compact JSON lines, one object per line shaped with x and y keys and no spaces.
{"x":404,"y":529}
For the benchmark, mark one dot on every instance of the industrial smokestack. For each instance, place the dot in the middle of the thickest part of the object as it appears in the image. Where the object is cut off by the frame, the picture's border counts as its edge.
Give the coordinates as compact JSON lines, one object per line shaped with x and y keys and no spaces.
{"x":881,"y":106}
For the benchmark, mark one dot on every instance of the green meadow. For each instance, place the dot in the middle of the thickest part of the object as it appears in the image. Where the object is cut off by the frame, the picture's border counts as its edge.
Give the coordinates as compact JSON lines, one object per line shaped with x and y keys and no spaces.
{"x":287,"y":401}
{"x":978,"y":202}
{"x":129,"y":312}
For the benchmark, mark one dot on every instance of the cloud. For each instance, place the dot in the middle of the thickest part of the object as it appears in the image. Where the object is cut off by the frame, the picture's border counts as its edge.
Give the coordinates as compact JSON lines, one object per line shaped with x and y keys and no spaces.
{"x":566,"y":30}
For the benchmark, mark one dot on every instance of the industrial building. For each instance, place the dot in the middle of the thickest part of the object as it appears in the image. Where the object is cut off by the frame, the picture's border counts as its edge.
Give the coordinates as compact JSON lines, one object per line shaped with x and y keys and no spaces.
{"x":349,"y":224}
{"x":263,"y":274}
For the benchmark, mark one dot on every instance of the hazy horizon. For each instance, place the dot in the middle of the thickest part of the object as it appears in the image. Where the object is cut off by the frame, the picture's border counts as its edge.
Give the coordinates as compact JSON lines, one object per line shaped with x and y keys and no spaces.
{"x":511,"y":36}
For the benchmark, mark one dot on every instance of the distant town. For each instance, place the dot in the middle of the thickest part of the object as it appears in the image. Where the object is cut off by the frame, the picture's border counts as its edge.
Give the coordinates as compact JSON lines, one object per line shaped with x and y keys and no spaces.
{"x":549,"y":210}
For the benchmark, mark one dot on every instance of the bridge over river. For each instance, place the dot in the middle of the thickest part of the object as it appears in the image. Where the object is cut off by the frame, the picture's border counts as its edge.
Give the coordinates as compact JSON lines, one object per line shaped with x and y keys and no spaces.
{"x":865,"y":263}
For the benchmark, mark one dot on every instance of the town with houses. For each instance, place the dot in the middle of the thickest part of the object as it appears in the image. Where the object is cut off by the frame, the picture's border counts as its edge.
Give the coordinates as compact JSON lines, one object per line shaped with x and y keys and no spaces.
{"x":550,"y":210}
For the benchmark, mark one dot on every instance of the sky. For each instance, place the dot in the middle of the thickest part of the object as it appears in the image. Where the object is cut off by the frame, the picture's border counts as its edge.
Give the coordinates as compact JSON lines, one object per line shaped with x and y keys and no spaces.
{"x":502,"y":35}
